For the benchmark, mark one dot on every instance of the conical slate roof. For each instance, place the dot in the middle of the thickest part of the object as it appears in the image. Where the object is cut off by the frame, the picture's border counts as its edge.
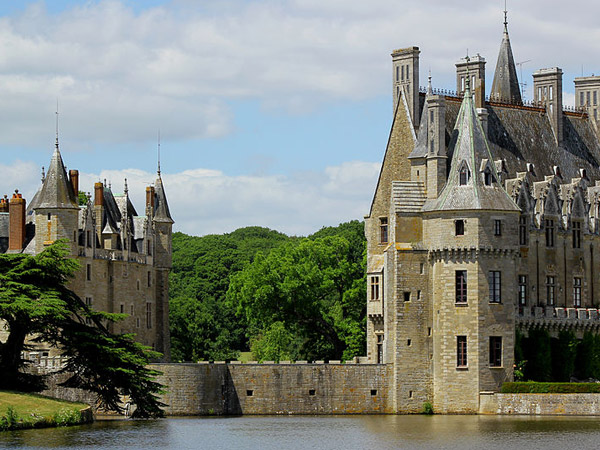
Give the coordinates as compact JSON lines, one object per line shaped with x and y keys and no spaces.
{"x":471,"y":153}
{"x":161,"y":207}
{"x":505,"y":87}
{"x":57,"y":191}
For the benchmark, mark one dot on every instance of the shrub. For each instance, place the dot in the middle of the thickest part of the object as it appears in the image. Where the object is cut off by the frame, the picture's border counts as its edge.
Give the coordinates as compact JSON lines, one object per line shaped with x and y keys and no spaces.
{"x":66,"y":417}
{"x":531,"y":387}
{"x":427,"y":408}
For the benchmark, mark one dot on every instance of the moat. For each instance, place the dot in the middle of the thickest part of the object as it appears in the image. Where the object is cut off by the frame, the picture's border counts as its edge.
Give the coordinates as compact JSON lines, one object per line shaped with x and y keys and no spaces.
{"x":323,"y":432}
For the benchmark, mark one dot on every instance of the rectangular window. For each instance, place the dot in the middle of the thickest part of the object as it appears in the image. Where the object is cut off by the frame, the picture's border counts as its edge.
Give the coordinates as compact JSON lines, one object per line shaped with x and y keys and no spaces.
{"x":581,"y":100}
{"x":431,"y":116}
{"x":587,"y":98}
{"x":522,"y":290}
{"x":383,"y":230}
{"x":461,"y":351}
{"x":549,"y":224}
{"x":461,"y":286}
{"x":550,"y":290}
{"x":459,"y":227}
{"x":374,"y":288}
{"x":576,"y":225}
{"x":402,"y":73}
{"x":494,"y":281}
{"x":595,"y":98}
{"x":497,"y":227}
{"x":523,"y":230}
{"x":577,"y":292}
{"x":495,"y":351}
{"x":380,"y":349}
{"x":407,"y":77}
{"x":397,"y":73}
{"x":122,"y":308}
{"x":407,"y":296}
{"x":148,"y":315}
{"x":88,"y":272}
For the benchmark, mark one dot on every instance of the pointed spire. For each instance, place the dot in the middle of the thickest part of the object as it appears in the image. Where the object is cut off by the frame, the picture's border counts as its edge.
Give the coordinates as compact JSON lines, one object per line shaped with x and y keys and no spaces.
{"x":505,"y":87}
{"x":161,"y":207}
{"x":421,"y":146}
{"x":473,"y":181}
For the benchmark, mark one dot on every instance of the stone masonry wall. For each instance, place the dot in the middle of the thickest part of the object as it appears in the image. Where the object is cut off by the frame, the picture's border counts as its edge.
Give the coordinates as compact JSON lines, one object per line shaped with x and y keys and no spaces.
{"x":200,"y":389}
{"x":541,"y":404}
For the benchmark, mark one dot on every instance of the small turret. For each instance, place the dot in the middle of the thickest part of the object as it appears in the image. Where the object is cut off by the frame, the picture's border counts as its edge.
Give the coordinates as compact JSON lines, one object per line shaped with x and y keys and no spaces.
{"x":505,"y":87}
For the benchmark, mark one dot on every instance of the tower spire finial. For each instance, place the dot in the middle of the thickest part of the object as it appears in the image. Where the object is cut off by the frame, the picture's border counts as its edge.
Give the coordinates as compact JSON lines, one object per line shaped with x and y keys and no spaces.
{"x":56,"y":124}
{"x":505,"y":18}
{"x":158,"y":168}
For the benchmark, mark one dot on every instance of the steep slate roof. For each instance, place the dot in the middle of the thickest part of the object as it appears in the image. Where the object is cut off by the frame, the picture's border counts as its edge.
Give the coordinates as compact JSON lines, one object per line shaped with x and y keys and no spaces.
{"x":161,"y":211}
{"x":469,"y":147}
{"x":522,"y":135}
{"x":505,"y":86}
{"x":56,"y":191}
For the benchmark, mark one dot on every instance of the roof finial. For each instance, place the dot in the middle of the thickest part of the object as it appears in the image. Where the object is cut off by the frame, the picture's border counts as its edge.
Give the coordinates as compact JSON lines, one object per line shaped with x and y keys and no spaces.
{"x":505,"y":18}
{"x":57,"y":124}
{"x":158,"y":169}
{"x":468,"y":77}
{"x":43,"y":174}
{"x":429,"y":88}
{"x":126,"y":189}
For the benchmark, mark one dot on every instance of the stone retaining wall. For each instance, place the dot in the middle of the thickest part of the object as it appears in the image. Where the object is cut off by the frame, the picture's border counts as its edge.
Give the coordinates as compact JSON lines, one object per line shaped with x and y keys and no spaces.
{"x":540,"y":404}
{"x":218,"y":388}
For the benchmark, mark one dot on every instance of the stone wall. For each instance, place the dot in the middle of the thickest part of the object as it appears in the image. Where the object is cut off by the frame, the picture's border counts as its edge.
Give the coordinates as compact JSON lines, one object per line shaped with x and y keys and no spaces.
{"x":201,"y":389}
{"x":540,"y":404}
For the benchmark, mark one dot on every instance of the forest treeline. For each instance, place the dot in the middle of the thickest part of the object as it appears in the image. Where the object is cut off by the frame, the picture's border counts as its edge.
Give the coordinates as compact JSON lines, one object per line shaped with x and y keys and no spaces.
{"x":279,"y":296}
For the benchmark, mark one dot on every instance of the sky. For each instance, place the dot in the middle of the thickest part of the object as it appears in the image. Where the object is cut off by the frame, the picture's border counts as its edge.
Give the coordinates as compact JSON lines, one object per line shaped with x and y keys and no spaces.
{"x":270,"y":112}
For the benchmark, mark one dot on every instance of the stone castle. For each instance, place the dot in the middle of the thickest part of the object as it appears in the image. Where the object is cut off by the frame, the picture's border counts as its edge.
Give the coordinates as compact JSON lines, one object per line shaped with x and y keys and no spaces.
{"x":485,"y":220}
{"x":125,"y":257}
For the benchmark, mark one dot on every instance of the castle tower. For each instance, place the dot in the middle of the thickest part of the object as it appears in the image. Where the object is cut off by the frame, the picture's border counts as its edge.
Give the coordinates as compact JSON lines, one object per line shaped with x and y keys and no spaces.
{"x":57,"y":210}
{"x":587,"y":95}
{"x":470,"y":231}
{"x":547,"y":90}
{"x":405,"y":66}
{"x":505,"y":87}
{"x":163,"y":226}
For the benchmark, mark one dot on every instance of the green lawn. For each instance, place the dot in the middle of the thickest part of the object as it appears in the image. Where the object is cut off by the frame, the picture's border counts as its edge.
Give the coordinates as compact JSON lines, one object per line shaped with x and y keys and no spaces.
{"x":19,"y":410}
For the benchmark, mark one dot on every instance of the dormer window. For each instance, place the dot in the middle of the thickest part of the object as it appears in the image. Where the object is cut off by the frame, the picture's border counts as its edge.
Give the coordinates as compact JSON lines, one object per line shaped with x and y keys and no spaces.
{"x":488,"y":178}
{"x":463,"y":176}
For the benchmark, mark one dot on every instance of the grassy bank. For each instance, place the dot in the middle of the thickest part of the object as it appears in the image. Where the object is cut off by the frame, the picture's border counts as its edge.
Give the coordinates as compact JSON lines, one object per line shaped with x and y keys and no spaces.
{"x":20,"y":411}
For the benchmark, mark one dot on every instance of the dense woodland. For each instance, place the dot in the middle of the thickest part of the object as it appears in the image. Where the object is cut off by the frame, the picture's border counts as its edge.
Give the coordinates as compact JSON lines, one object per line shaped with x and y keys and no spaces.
{"x":281,"y":297}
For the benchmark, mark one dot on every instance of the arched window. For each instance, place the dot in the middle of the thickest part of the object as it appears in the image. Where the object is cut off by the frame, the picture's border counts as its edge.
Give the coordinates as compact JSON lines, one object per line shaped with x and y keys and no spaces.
{"x":488,"y":178}
{"x":463,"y":176}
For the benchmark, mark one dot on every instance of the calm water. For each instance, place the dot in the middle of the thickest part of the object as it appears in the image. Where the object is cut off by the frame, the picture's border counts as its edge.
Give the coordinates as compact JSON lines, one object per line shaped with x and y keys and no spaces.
{"x":308,"y":432}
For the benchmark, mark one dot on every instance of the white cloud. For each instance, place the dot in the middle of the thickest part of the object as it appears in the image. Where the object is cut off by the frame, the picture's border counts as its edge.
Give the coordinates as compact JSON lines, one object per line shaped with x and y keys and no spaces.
{"x":120,"y":75}
{"x":207,"y":201}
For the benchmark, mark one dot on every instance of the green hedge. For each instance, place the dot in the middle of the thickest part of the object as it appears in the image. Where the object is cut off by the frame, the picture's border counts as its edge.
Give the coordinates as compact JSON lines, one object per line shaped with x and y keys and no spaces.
{"x":531,"y":387}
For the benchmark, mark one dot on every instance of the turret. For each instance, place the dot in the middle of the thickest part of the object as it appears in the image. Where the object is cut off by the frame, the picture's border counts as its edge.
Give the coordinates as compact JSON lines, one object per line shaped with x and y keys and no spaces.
{"x":505,"y":87}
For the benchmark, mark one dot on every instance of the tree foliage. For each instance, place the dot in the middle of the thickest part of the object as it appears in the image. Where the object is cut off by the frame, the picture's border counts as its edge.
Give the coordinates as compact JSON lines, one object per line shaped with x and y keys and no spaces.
{"x":203,"y":325}
{"x":35,"y":301}
{"x":315,"y":288}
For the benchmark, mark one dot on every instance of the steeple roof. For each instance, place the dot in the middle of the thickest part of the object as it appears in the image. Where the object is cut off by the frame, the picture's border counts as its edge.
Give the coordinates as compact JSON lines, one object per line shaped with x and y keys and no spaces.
{"x":478,"y":187}
{"x":57,"y":191}
{"x":505,"y":86}
{"x":161,"y":207}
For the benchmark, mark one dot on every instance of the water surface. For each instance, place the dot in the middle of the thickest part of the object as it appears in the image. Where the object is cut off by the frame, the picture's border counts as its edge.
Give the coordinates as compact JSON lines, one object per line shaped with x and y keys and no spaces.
{"x":321,"y":432}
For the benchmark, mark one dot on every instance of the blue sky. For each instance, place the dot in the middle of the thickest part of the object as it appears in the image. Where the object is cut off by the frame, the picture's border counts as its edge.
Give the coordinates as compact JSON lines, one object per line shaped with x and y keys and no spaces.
{"x":271,"y":112}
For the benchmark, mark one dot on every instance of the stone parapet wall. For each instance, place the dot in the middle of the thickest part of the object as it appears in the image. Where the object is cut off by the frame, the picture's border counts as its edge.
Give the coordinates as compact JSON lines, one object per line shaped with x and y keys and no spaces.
{"x":218,"y":388}
{"x":540,"y":404}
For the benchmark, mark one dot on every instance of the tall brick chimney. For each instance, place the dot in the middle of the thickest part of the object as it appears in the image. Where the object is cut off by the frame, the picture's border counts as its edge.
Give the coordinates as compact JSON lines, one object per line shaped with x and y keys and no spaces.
{"x":4,"y":204}
{"x":98,"y":194}
{"x":74,"y":179}
{"x":16,"y":222}
{"x":150,"y":197}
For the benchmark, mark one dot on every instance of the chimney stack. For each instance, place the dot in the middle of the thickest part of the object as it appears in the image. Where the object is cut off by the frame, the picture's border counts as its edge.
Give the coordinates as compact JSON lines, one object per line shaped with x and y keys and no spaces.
{"x":150,"y":197}
{"x":98,"y":194}
{"x":474,"y":67}
{"x":16,"y":222}
{"x":4,"y":204}
{"x":547,"y":90}
{"x":74,"y":179}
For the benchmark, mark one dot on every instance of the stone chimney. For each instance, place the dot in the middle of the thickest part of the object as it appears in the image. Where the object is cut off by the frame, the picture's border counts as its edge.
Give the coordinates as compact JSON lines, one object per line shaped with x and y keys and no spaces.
{"x":98,"y":194}
{"x":475,"y":67}
{"x":405,"y":76}
{"x":547,"y":91}
{"x":16,"y":223}
{"x":74,"y":179}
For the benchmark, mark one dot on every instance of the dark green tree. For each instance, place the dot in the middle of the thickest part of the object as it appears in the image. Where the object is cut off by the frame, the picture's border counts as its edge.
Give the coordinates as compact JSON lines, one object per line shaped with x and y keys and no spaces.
{"x":587,"y":362}
{"x":563,"y":352}
{"x":315,"y":287}
{"x":36,"y":302}
{"x":536,"y":350}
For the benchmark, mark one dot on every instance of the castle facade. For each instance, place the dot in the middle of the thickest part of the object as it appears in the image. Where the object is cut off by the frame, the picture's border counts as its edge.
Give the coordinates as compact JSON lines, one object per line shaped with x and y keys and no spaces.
{"x":485,"y":220}
{"x":125,"y":257}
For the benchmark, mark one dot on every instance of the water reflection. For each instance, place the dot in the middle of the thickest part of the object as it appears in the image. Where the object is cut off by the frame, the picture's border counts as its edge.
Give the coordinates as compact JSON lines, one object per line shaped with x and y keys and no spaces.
{"x":322,"y":432}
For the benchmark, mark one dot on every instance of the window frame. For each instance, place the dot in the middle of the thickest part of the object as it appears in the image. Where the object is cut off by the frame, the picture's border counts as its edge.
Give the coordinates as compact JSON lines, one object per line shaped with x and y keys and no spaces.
{"x":462,"y":361}
{"x":522,"y":283}
{"x":576,"y":233}
{"x":384,"y":230}
{"x":577,"y":292}
{"x":495,"y":286}
{"x":549,"y":232}
{"x":461,"y":287}
{"x":375,"y":283}
{"x":550,"y":290}
{"x":495,"y":351}
{"x":459,"y":227}
{"x":497,"y":227}
{"x":523,"y":230}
